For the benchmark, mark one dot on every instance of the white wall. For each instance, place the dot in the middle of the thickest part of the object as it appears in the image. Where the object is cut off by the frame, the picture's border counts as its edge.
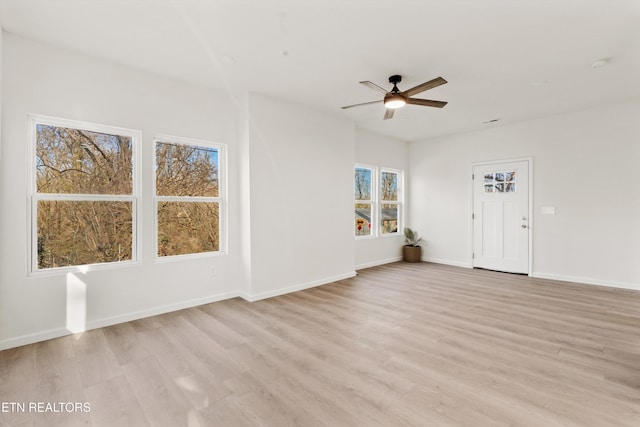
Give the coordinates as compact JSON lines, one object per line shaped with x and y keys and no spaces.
{"x":1,"y":35}
{"x":290,"y":192}
{"x":585,"y":164}
{"x":377,"y":150}
{"x":301,"y":167}
{"x":1,"y":102}
{"x":44,"y":80}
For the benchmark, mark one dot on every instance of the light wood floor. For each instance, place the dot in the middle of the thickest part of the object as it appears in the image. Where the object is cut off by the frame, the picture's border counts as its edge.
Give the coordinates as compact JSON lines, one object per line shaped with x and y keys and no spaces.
{"x":399,"y":345}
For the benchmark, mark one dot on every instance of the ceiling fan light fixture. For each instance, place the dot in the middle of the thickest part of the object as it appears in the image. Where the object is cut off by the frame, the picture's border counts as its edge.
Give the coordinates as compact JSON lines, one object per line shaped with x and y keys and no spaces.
{"x":394,"y":101}
{"x":395,"y":98}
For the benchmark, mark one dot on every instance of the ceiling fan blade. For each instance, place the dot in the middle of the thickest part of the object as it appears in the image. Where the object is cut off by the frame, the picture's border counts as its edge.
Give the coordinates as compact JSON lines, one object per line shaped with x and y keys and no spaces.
{"x":425,"y":86}
{"x":389,"y":114}
{"x":374,"y":86}
{"x":364,"y":103}
{"x":426,"y":102}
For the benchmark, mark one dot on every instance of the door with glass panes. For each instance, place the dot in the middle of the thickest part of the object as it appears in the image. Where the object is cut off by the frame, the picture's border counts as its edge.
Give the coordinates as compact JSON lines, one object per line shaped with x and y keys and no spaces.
{"x":501,"y":216}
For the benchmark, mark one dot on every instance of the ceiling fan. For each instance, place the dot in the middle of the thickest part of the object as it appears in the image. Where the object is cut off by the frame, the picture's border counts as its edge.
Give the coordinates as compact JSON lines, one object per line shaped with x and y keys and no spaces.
{"x":395,"y":99}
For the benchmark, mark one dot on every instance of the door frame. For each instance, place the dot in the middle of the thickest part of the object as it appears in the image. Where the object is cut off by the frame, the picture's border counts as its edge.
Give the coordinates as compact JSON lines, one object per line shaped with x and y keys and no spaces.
{"x":530,"y":207}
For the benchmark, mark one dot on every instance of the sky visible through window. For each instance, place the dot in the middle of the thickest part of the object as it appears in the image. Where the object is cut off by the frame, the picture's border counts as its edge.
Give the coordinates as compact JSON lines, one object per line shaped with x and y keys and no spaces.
{"x":362,"y":184}
{"x":186,"y":170}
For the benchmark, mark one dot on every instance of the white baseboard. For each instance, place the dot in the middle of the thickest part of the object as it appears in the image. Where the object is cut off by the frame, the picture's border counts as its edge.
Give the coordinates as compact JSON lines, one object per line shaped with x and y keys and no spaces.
{"x":101,"y":323}
{"x":587,"y":280}
{"x":377,"y":263}
{"x":448,"y":262}
{"x":33,"y":338}
{"x":300,"y":287}
{"x":109,"y":321}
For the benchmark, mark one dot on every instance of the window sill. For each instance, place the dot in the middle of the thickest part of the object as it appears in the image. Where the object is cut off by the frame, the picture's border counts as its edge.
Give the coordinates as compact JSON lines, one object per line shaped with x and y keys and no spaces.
{"x":83,"y":269}
{"x":186,"y":257}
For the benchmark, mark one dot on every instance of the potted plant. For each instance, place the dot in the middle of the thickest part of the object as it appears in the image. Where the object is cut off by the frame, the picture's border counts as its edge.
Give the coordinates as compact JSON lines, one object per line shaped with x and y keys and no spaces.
{"x":412,"y":251}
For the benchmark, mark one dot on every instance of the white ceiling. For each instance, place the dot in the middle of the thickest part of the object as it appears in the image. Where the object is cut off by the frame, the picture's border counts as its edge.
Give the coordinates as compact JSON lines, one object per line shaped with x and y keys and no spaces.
{"x":507,"y":59}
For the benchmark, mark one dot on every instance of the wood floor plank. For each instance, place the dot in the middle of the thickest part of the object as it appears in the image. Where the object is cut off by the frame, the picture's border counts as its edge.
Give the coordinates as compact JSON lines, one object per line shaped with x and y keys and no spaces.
{"x":122,"y":340}
{"x":115,"y":404}
{"x":17,"y":382}
{"x":400,"y":344}
{"x":95,"y":360}
{"x":161,"y":399}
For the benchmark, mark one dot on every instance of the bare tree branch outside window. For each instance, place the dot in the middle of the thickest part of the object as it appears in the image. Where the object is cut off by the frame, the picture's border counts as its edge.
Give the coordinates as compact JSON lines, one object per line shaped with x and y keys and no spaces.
{"x":187,"y":192}
{"x":74,"y":162}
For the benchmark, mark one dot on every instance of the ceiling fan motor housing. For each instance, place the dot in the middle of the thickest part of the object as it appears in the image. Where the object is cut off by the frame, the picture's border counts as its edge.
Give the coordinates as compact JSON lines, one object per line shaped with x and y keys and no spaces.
{"x":395,"y":79}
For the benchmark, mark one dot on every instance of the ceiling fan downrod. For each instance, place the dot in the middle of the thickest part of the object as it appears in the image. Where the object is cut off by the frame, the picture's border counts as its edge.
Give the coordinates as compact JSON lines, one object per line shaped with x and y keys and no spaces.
{"x":395,"y":79}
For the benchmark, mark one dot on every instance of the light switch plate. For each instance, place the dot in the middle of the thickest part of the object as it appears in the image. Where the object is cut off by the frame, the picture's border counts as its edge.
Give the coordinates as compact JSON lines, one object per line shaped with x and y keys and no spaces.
{"x":548,"y":210}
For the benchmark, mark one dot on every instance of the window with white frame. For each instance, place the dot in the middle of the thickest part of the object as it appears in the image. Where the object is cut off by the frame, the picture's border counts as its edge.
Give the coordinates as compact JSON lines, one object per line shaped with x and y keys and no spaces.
{"x":390,"y":201}
{"x":378,"y":200}
{"x":365,"y":203}
{"x":189,"y":196}
{"x":84,"y":194}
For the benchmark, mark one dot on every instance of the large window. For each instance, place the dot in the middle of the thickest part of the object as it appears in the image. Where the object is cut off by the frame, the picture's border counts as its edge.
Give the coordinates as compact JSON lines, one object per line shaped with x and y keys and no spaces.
{"x":84,"y":194}
{"x":378,"y":200}
{"x":189,"y":196}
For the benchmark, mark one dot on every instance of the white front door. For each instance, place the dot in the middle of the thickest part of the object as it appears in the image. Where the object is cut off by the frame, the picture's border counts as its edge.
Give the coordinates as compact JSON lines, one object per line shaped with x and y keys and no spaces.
{"x":501,"y":216}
